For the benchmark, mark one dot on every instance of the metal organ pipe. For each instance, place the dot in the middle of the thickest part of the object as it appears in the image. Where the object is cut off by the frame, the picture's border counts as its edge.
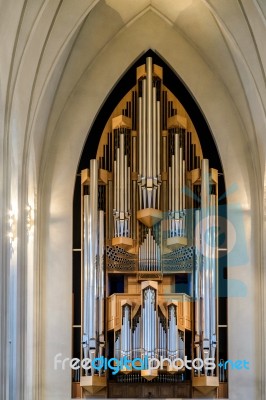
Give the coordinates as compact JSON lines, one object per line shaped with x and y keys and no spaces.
{"x":122,"y":174}
{"x":176,"y":180}
{"x":140,"y":126}
{"x":101,"y":280}
{"x":154,"y":138}
{"x":149,"y":116}
{"x":205,"y":270}
{"x":86,"y":276}
{"x":143,"y":139}
{"x":172,"y":345}
{"x":197,"y":285}
{"x":158,"y":126}
{"x":205,"y":216}
{"x":213,"y":246}
{"x":91,"y":253}
{"x":181,"y":178}
{"x":126,"y":331}
{"x":149,"y":322}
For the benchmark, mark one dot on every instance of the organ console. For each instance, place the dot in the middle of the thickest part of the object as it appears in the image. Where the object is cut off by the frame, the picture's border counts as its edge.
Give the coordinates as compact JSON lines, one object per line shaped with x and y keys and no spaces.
{"x":149,"y":206}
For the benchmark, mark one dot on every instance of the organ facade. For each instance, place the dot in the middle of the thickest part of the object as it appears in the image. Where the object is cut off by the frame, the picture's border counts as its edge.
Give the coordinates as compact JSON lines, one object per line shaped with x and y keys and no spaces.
{"x":149,"y":263}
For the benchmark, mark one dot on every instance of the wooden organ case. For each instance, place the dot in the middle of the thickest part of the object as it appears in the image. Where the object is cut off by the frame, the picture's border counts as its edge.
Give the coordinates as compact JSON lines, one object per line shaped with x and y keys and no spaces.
{"x":149,"y":251}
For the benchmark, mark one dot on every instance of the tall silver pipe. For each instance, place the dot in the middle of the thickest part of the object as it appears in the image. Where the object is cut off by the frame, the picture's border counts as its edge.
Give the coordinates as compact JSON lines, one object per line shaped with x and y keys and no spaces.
{"x":118,"y":180}
{"x":149,"y":116}
{"x":144,"y":325}
{"x":144,"y":131}
{"x":154,"y":133}
{"x":205,"y":207}
{"x":213,"y":247}
{"x":176,"y":184}
{"x":184,"y":184}
{"x":197,"y":283}
{"x":158,"y":125}
{"x":181,"y":178}
{"x":94,"y":236}
{"x":86,"y":273}
{"x":115,"y":186}
{"x":134,"y":201}
{"x":90,"y":265}
{"x":129,"y":199}
{"x":140,"y":137}
{"x":126,"y":184}
{"x":126,"y":330}
{"x":169,"y":228}
{"x":111,"y":208}
{"x":122,"y":173}
{"x":174,"y":192}
{"x":101,"y":276}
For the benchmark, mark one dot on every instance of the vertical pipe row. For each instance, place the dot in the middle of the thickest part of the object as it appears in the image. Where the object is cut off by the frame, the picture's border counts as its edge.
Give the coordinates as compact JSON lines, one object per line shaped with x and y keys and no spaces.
{"x":149,"y":254}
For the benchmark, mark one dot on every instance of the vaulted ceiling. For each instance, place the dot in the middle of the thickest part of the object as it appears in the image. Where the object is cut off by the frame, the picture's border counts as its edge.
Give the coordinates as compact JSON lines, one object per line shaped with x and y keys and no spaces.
{"x":49,"y":48}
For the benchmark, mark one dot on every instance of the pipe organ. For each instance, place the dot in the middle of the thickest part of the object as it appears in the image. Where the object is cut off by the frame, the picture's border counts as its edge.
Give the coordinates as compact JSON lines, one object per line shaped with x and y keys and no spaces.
{"x":149,"y":206}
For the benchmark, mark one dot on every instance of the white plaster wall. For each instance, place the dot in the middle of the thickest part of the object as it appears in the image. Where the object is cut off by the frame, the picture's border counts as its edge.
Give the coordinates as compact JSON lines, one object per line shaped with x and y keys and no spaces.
{"x":57,"y":189}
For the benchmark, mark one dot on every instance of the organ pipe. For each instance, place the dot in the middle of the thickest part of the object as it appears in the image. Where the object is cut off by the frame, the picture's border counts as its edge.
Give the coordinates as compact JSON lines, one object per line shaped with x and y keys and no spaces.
{"x":91,"y":231}
{"x":205,"y":269}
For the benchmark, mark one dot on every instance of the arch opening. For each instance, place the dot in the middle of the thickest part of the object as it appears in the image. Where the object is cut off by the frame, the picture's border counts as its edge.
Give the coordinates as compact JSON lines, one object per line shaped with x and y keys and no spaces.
{"x":151,"y":256}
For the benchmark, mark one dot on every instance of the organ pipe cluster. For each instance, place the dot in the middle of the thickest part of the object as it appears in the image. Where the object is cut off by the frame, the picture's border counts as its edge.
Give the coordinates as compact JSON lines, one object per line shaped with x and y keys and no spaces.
{"x":149,"y":254}
{"x":177,"y":187}
{"x":122,"y":190}
{"x":149,"y":176}
{"x":149,"y":333}
{"x":149,"y":166}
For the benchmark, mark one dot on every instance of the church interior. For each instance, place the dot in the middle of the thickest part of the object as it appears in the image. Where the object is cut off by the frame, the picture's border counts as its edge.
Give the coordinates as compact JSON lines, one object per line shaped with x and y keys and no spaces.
{"x":132,"y":203}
